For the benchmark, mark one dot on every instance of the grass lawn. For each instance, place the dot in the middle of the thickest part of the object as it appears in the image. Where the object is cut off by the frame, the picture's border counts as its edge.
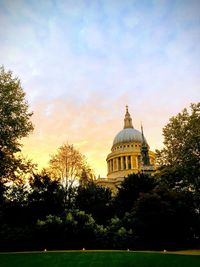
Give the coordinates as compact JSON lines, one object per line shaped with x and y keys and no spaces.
{"x":97,"y":259}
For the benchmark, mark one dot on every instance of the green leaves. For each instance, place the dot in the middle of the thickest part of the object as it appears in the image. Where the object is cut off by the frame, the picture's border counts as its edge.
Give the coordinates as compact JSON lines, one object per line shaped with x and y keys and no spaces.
{"x":14,"y":121}
{"x":182,"y":144}
{"x":14,"y":115}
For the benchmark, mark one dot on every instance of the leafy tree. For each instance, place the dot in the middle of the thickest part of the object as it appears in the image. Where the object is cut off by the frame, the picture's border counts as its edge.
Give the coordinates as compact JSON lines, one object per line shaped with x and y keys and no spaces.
{"x":46,"y":197}
{"x":181,"y":152}
{"x":14,"y":123}
{"x":68,"y":166}
{"x":130,"y":189}
{"x":2,"y":192}
{"x":24,"y":204}
{"x":162,"y":219}
{"x":73,"y":230}
{"x":86,"y":176}
{"x":2,"y":200}
{"x":95,"y":200}
{"x":117,"y":236}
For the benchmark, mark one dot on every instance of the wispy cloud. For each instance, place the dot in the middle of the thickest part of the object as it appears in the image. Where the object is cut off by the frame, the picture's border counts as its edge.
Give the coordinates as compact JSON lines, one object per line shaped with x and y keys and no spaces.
{"x":81,"y":62}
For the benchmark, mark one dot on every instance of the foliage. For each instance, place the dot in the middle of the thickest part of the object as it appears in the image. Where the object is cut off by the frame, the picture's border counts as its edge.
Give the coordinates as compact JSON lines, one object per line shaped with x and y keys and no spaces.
{"x":86,"y":176}
{"x":181,"y":152}
{"x":95,"y":200}
{"x":162,"y":219}
{"x":117,"y":236}
{"x":69,"y":166}
{"x":158,"y":218}
{"x":2,"y":191}
{"x":46,"y":197}
{"x":14,"y":123}
{"x":67,"y":210}
{"x":74,"y":229}
{"x":130,"y":189}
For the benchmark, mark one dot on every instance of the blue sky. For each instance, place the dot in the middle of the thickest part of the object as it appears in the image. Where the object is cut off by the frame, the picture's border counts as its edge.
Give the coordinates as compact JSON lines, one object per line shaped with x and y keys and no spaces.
{"x":81,"y":62}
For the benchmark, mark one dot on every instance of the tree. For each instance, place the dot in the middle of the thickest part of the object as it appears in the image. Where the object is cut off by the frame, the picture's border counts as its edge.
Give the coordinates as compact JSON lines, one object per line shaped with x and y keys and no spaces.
{"x":181,"y":152}
{"x":86,"y":176}
{"x":46,"y":196}
{"x":95,"y":200}
{"x":73,"y":230}
{"x":163,"y":219}
{"x":2,"y":200}
{"x":68,"y":166}
{"x":14,"y":123}
{"x":130,"y":189}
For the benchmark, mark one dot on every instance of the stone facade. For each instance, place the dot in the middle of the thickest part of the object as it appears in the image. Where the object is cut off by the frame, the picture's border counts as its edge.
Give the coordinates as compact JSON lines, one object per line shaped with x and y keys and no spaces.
{"x":129,"y":154}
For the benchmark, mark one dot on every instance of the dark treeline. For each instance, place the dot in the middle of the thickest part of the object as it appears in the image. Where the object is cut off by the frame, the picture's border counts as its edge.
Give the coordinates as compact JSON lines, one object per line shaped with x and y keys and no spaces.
{"x":48,"y":211}
{"x":146,"y":213}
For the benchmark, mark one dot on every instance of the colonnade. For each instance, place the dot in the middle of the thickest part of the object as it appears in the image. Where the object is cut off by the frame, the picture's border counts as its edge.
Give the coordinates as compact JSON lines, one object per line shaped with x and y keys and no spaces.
{"x":122,"y":163}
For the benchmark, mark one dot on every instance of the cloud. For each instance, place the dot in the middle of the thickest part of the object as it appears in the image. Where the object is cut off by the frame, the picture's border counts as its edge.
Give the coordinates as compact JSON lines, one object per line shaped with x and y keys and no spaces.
{"x":81,"y":64}
{"x":86,"y":126}
{"x":93,"y":37}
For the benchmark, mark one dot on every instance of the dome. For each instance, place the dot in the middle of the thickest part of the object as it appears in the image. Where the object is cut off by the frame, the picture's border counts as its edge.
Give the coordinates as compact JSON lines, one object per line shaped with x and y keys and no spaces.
{"x":128,"y":135}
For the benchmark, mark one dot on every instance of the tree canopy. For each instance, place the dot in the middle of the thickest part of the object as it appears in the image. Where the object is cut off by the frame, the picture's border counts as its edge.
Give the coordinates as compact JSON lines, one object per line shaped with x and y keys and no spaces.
{"x":95,"y":200}
{"x":68,"y":165}
{"x":15,"y":123}
{"x":181,"y":152}
{"x":129,"y":190}
{"x":64,"y":208}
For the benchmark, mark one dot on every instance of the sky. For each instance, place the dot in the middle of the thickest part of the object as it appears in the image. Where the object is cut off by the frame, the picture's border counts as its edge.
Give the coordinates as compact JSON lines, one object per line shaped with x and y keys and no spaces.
{"x":81,"y":62}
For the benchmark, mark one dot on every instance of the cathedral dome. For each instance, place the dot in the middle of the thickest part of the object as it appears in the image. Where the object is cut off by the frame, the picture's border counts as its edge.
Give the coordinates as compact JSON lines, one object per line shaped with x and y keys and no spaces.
{"x":128,"y":135}
{"x":129,"y":153}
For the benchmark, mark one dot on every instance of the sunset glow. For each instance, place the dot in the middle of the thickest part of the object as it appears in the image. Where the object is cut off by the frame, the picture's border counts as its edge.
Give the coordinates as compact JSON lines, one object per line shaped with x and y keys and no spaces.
{"x":81,"y":62}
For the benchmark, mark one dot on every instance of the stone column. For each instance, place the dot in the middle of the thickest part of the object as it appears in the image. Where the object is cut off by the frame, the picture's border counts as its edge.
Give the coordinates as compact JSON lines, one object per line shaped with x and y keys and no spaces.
{"x":132,"y":165}
{"x":136,"y":162}
{"x":117,"y":164}
{"x":113,"y":160}
{"x":122,"y":164}
{"x":126,"y":162}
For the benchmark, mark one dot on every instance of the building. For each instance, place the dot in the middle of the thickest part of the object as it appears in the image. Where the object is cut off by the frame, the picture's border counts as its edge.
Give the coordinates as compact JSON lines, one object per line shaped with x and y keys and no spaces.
{"x":130,"y":153}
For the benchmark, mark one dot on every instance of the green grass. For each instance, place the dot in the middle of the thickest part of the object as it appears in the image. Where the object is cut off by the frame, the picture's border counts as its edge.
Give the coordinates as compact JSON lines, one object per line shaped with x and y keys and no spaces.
{"x":97,"y":259}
